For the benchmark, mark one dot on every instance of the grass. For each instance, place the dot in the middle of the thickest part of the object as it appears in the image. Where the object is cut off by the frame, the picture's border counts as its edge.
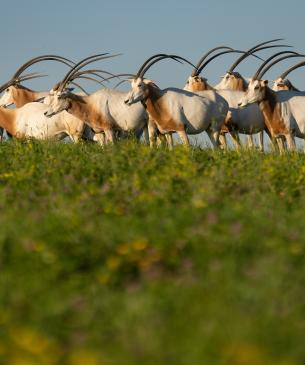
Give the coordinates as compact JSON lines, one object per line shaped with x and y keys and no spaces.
{"x":129,"y":256}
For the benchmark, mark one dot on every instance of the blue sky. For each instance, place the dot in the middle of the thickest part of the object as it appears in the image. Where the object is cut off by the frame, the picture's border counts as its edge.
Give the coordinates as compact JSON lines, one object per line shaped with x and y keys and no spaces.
{"x":138,"y":29}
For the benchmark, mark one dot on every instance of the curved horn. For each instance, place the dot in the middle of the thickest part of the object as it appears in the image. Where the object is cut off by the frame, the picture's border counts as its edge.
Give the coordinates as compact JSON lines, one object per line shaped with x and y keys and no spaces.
{"x":251,"y":50}
{"x":82,"y":64}
{"x":174,"y":57}
{"x":32,"y":61}
{"x":30,"y":76}
{"x":256,"y":75}
{"x":80,"y":87}
{"x":96,"y":72}
{"x":212,"y":58}
{"x":86,"y":78}
{"x":147,"y":61}
{"x":284,"y":74}
{"x":206,"y":55}
{"x":267,"y":68}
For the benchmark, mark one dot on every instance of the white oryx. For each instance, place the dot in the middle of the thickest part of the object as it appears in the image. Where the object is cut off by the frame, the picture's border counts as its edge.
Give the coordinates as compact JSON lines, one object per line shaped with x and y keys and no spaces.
{"x":246,"y":121}
{"x":29,"y":121}
{"x":104,"y":111}
{"x":283,"y":111}
{"x":177,"y":110}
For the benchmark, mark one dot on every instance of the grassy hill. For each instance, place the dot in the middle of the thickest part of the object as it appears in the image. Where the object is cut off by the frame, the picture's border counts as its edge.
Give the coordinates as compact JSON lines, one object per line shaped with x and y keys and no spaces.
{"x":127,"y":255}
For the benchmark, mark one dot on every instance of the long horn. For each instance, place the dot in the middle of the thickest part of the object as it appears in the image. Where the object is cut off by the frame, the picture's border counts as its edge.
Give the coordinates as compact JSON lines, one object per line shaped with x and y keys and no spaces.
{"x":267,"y":68}
{"x":252,"y":50}
{"x":78,"y":65}
{"x":149,"y":60}
{"x":80,"y":87}
{"x":32,"y":61}
{"x":30,"y":76}
{"x":82,"y":64}
{"x":87,"y":78}
{"x":217,"y":55}
{"x":174,"y":57}
{"x":133,"y":76}
{"x":203,"y":65}
{"x":256,"y":75}
{"x":284,"y":74}
{"x":204,"y":57}
{"x":96,"y":72}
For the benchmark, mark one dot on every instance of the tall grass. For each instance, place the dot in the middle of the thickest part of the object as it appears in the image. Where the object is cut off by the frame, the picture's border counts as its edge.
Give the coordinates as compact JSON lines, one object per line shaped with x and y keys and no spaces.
{"x":127,"y":255}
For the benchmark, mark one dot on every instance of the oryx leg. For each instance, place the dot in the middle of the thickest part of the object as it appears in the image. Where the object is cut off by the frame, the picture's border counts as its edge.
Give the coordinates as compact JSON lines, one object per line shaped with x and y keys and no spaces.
{"x":146,"y":134}
{"x":169,"y":140}
{"x":184,"y":138}
{"x":109,"y":136}
{"x":223,"y":141}
{"x":100,"y":138}
{"x":274,"y":143}
{"x":250,"y":141}
{"x":281,"y":144}
{"x":214,"y":137}
{"x":152,"y":128}
{"x":261,"y":141}
{"x":236,"y":139}
{"x":290,"y":142}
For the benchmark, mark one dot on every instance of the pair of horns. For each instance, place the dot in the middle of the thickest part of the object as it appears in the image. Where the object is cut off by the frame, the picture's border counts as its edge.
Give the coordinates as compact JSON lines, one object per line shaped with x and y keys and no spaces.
{"x":285,"y":73}
{"x":74,"y":71}
{"x":258,"y":47}
{"x":156,"y":58}
{"x":265,"y":66}
{"x":17,"y":78}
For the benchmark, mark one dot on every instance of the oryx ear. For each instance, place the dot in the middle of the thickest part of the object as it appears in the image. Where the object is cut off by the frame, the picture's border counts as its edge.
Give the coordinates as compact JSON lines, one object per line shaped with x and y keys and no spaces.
{"x":265,"y":82}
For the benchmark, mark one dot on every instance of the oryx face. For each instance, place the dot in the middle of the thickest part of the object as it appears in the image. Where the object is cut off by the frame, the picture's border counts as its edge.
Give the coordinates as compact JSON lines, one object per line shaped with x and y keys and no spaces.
{"x":138,"y":92}
{"x":226,"y":82}
{"x":195,"y":83}
{"x":231,"y":81}
{"x":8,"y":97}
{"x":57,"y":102}
{"x":281,"y":84}
{"x":255,"y":93}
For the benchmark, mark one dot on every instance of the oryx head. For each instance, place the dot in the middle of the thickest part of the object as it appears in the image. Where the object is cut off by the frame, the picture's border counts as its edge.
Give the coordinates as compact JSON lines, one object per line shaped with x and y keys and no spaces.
{"x":138,"y":92}
{"x":232,"y":81}
{"x":255,"y":93}
{"x":57,"y":102}
{"x":140,"y":86}
{"x":282,"y":84}
{"x":258,"y":87}
{"x":7,"y":97}
{"x":196,"y":83}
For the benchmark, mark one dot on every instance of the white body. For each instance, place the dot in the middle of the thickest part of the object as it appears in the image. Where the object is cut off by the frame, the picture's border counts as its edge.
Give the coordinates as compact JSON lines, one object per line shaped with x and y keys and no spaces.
{"x":248,"y":120}
{"x":30,"y":121}
{"x":293,"y":111}
{"x":124,"y":118}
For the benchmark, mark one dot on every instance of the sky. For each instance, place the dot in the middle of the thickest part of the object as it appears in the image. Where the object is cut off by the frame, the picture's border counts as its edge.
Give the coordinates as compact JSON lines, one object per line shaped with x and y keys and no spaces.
{"x":139,"y":29}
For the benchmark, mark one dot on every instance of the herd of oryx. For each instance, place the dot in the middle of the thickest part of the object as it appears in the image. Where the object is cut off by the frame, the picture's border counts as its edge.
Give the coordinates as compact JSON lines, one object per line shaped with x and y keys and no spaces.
{"x":235,"y":105}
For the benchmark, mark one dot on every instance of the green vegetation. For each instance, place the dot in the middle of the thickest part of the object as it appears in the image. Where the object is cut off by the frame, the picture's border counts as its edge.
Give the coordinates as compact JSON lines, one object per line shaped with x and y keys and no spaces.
{"x":135,"y":256}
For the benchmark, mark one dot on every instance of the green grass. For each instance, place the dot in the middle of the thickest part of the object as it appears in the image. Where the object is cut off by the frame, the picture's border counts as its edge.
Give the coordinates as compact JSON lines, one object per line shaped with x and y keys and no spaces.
{"x":135,"y":256}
